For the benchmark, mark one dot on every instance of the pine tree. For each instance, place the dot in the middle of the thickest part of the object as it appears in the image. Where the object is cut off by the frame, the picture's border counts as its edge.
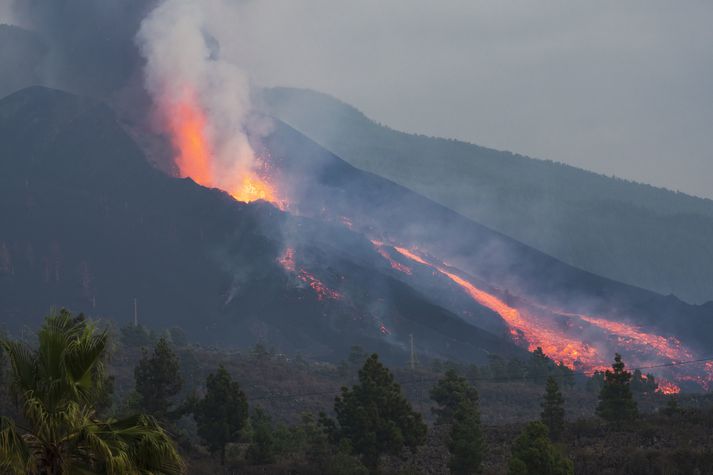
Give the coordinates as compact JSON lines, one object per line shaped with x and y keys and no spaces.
{"x":158,"y":379}
{"x":672,"y":408}
{"x":448,"y":393}
{"x":566,"y":373}
{"x":534,"y":454}
{"x":222,"y":413}
{"x":540,"y":365}
{"x":553,"y":409}
{"x":616,"y":404}
{"x":374,"y":417}
{"x":262,"y":448}
{"x":643,"y":384}
{"x":458,"y":406}
{"x":498,"y":367}
{"x":466,"y":443}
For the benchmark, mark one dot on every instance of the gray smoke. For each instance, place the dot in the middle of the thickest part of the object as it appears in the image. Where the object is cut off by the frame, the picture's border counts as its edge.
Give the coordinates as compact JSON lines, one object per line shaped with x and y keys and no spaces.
{"x":180,"y":40}
{"x":89,"y":43}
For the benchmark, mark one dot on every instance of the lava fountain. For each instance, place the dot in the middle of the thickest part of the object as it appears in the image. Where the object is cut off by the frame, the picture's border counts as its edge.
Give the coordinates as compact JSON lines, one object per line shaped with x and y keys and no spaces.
{"x":188,"y":128}
{"x":202,"y":102}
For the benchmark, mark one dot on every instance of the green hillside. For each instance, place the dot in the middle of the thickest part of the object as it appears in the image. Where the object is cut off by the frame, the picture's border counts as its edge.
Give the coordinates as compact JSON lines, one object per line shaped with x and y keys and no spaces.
{"x":636,"y":233}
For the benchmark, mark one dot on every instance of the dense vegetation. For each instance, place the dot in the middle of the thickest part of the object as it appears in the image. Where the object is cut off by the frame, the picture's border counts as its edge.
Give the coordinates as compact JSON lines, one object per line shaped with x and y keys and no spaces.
{"x":633,"y":233}
{"x":57,"y":387}
{"x":510,"y":416}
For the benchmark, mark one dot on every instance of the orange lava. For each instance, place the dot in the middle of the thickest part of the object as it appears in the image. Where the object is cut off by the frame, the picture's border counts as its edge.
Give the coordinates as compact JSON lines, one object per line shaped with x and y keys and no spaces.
{"x":287,"y":261}
{"x":393,"y":263}
{"x":554,"y":343}
{"x":405,"y":252}
{"x":562,"y":335}
{"x":667,"y":387}
{"x":252,"y":188}
{"x":669,"y":347}
{"x":323,"y":292}
{"x":187,"y":125}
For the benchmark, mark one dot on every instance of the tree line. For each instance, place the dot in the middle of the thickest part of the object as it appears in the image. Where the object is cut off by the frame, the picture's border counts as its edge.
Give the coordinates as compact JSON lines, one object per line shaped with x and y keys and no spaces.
{"x":61,"y":390}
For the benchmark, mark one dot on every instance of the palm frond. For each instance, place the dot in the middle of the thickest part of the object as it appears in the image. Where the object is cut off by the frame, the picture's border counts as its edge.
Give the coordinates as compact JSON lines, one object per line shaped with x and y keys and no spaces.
{"x":23,"y":363}
{"x":14,"y":453}
{"x":58,"y":385}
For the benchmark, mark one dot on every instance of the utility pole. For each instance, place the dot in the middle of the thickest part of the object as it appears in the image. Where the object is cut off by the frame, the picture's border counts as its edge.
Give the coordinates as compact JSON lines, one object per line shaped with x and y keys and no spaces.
{"x":136,"y":313}
{"x":412,"y":361}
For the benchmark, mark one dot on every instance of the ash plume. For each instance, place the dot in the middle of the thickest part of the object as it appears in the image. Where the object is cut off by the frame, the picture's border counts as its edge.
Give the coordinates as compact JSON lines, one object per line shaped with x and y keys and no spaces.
{"x":185,"y":74}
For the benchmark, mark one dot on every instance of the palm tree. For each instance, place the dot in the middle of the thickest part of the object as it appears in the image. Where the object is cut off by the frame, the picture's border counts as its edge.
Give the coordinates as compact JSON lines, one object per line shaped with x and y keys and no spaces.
{"x":56,"y":387}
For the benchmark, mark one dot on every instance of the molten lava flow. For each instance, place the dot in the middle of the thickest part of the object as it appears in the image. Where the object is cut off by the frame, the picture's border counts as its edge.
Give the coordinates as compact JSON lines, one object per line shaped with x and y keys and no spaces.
{"x":405,"y":252}
{"x":287,"y":261}
{"x":667,"y":387}
{"x":393,"y":263}
{"x":630,"y":335}
{"x":562,"y":335}
{"x":554,"y":343}
{"x":195,"y":158}
{"x":323,"y":292}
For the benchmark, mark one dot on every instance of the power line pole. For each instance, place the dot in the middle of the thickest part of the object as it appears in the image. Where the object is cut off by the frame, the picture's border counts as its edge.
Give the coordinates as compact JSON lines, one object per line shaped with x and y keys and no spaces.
{"x":412,"y":361}
{"x":136,"y":312}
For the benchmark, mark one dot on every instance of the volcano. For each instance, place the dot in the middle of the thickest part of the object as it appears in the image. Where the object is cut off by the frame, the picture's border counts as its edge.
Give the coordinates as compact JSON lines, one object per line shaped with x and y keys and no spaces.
{"x":352,"y":259}
{"x":88,"y":224}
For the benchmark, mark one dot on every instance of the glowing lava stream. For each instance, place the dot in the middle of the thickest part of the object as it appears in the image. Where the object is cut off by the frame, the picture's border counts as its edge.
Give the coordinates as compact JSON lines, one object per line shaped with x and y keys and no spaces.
{"x":667,"y":387}
{"x":392,"y":262}
{"x":287,"y":261}
{"x":555,"y":343}
{"x":195,"y":158}
{"x":669,"y":347}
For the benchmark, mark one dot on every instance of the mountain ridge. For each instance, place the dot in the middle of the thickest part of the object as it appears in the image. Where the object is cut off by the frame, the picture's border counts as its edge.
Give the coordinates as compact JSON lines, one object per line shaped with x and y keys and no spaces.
{"x":589,"y":222}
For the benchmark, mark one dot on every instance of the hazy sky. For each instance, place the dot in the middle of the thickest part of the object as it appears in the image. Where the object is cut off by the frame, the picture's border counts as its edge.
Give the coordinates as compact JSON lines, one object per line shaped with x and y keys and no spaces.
{"x":621,"y":88}
{"x":618,"y":87}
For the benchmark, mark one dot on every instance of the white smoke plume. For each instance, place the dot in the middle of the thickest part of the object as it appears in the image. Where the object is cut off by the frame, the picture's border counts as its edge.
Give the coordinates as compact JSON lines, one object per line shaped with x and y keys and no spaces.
{"x":179,"y":40}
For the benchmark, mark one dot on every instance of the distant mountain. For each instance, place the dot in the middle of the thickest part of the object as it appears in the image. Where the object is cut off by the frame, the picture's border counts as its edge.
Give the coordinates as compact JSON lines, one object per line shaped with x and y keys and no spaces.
{"x":634,"y":233}
{"x":86,"y":223}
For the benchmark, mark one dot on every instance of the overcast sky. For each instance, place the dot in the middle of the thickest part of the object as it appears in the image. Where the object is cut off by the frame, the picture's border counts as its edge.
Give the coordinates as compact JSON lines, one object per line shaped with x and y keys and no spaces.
{"x":618,"y":87}
{"x":622,"y":88}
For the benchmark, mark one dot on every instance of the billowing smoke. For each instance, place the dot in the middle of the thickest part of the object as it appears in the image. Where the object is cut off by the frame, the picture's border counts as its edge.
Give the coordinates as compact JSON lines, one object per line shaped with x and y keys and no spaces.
{"x":201,"y":100}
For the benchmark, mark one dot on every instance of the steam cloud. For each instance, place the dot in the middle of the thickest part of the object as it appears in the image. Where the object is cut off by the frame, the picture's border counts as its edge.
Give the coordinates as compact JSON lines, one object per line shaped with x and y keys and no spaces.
{"x":178,"y":39}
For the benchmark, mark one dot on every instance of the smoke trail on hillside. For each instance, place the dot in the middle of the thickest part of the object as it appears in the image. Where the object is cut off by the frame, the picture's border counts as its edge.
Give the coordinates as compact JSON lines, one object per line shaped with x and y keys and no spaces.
{"x":201,"y":101}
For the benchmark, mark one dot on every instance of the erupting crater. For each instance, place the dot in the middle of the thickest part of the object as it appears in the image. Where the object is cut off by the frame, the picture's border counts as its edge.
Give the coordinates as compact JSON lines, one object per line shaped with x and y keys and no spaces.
{"x":583,"y":342}
{"x":188,"y":127}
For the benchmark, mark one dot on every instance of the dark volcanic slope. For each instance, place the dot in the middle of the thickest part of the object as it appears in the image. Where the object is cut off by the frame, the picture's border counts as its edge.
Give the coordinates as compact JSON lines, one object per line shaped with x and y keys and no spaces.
{"x":325,"y":185}
{"x":605,"y":225}
{"x":86,"y":223}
